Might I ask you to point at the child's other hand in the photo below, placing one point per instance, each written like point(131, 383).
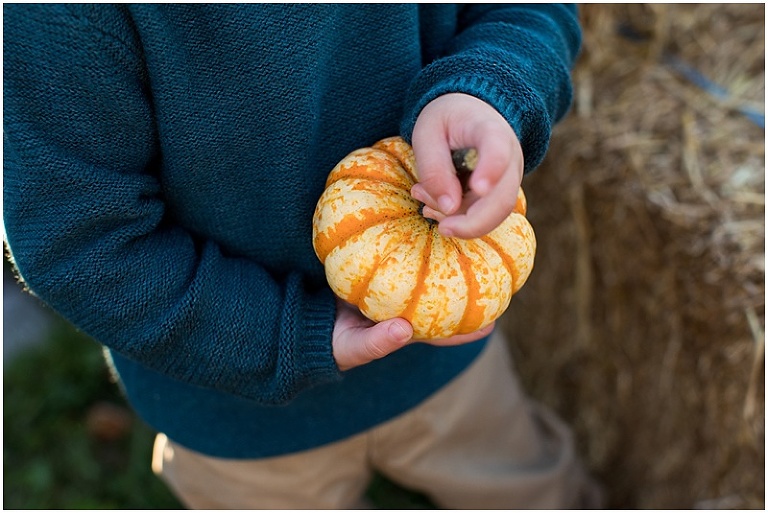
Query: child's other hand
point(455, 121)
point(358, 340)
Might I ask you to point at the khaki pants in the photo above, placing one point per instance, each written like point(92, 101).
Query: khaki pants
point(479, 443)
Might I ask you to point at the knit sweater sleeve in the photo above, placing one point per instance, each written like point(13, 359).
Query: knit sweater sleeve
point(89, 231)
point(515, 57)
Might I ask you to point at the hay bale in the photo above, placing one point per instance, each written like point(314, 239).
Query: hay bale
point(642, 323)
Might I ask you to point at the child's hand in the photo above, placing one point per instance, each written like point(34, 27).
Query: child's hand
point(450, 122)
point(456, 121)
point(358, 340)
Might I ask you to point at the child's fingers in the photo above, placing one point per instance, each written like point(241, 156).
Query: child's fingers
point(357, 340)
point(359, 346)
point(497, 154)
point(438, 187)
point(431, 213)
point(493, 185)
point(486, 212)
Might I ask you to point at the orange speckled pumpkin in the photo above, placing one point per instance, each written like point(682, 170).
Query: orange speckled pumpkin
point(383, 256)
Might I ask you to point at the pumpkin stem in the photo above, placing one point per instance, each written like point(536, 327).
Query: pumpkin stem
point(465, 161)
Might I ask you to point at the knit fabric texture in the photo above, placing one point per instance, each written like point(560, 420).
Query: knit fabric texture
point(162, 163)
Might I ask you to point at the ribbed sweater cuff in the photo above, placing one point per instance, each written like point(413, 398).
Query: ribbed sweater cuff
point(316, 358)
point(499, 86)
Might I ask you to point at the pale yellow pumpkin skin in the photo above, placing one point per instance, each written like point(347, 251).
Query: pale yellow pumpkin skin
point(383, 256)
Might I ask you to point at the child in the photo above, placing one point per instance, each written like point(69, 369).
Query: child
point(162, 165)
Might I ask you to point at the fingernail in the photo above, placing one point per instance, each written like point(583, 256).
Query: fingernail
point(445, 203)
point(397, 332)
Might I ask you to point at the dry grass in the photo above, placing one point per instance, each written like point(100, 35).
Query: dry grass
point(642, 323)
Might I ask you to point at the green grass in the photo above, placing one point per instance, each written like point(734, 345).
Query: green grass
point(51, 460)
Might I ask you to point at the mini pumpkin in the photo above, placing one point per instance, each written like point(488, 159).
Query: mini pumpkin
point(382, 255)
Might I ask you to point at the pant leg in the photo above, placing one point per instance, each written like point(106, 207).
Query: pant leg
point(331, 477)
point(480, 443)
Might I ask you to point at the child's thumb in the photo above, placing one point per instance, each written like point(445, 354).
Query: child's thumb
point(385, 338)
point(363, 345)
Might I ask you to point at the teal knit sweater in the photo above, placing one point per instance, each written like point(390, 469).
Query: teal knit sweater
point(161, 168)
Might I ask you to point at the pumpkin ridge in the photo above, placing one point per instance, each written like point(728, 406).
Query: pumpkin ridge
point(473, 316)
point(371, 186)
point(377, 179)
point(394, 246)
point(419, 287)
point(350, 225)
point(521, 204)
point(362, 171)
point(507, 260)
point(334, 238)
point(360, 290)
point(402, 152)
point(409, 171)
